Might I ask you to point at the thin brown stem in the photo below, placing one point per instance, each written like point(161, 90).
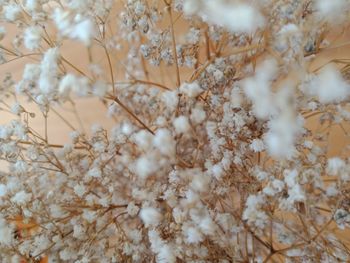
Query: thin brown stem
point(48, 145)
point(124, 107)
point(178, 79)
point(110, 68)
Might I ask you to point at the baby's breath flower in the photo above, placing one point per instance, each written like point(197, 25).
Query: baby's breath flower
point(32, 37)
point(219, 142)
point(150, 216)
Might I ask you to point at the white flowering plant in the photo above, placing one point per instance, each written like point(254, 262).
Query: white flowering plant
point(212, 157)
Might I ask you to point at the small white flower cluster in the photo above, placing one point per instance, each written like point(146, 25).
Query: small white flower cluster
point(238, 17)
point(211, 157)
point(80, 27)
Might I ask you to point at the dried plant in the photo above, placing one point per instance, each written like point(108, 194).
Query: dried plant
point(212, 157)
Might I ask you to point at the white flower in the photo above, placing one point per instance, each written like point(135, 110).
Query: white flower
point(143, 139)
point(49, 69)
point(257, 89)
point(6, 232)
point(81, 5)
point(296, 194)
point(100, 88)
point(253, 212)
point(193, 35)
point(19, 130)
point(342, 218)
point(192, 7)
point(127, 129)
point(5, 132)
point(236, 17)
point(217, 171)
point(79, 190)
point(56, 211)
point(181, 124)
point(145, 166)
point(278, 185)
point(31, 72)
point(70, 83)
point(178, 215)
point(295, 191)
point(331, 9)
point(236, 98)
point(170, 99)
point(67, 254)
point(164, 252)
point(89, 215)
point(78, 231)
point(135, 235)
point(11, 12)
point(257, 145)
point(290, 177)
point(32, 37)
point(218, 75)
point(66, 85)
point(191, 90)
point(132, 209)
point(192, 235)
point(164, 142)
point(150, 216)
point(329, 86)
point(21, 198)
point(95, 172)
point(335, 165)
point(225, 220)
point(74, 136)
point(207, 225)
point(283, 130)
point(191, 197)
point(32, 5)
point(200, 182)
point(275, 187)
point(198, 115)
point(21, 167)
point(17, 109)
point(289, 37)
point(259, 174)
point(139, 8)
point(83, 30)
point(308, 144)
point(61, 19)
point(332, 190)
point(3, 190)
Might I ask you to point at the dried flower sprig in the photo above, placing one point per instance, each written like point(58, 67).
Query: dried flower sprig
point(212, 157)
